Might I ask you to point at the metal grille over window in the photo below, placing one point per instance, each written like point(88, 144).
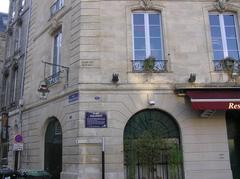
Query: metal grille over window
point(148, 41)
point(152, 146)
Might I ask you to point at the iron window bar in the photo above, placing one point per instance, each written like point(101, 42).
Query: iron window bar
point(160, 66)
point(218, 66)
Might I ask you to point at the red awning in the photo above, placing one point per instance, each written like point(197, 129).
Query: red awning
point(215, 99)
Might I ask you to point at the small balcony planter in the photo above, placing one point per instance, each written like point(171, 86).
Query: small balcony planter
point(230, 66)
point(149, 64)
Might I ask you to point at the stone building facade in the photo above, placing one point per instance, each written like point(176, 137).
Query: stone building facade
point(89, 55)
point(12, 73)
point(3, 25)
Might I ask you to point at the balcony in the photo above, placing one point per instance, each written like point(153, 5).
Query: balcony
point(160, 66)
point(54, 79)
point(218, 65)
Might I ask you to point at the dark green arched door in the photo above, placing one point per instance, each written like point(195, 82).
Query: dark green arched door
point(53, 149)
point(152, 147)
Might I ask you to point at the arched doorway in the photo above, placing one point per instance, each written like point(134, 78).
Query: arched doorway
point(233, 131)
point(53, 148)
point(152, 146)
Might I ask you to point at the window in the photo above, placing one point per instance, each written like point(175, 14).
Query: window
point(147, 40)
point(21, 5)
point(224, 35)
point(57, 52)
point(17, 39)
point(56, 7)
point(14, 84)
point(56, 67)
point(5, 87)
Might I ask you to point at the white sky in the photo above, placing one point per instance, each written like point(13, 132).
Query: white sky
point(4, 6)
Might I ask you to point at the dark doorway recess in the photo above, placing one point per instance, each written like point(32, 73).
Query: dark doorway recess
point(53, 149)
point(233, 131)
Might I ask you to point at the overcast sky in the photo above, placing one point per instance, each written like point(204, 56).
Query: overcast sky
point(4, 6)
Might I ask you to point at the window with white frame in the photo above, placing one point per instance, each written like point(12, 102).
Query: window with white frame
point(147, 40)
point(56, 7)
point(57, 52)
point(225, 35)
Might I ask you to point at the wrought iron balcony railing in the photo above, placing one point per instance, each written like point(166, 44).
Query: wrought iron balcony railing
point(53, 79)
point(160, 66)
point(219, 67)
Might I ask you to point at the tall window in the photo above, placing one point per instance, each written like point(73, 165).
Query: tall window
point(57, 52)
point(5, 89)
point(17, 39)
point(21, 5)
point(224, 35)
point(14, 84)
point(56, 7)
point(147, 39)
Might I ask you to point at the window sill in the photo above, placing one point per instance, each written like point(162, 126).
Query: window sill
point(154, 72)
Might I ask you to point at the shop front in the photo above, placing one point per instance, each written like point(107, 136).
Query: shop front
point(211, 100)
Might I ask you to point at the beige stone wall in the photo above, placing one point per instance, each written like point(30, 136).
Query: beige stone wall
point(97, 42)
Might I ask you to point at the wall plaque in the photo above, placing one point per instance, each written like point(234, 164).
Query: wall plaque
point(95, 120)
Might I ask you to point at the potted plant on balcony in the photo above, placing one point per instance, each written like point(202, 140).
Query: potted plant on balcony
point(149, 64)
point(228, 65)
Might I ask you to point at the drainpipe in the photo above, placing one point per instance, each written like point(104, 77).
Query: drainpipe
point(20, 105)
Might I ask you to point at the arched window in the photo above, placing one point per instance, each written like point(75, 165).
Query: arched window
point(152, 146)
point(53, 149)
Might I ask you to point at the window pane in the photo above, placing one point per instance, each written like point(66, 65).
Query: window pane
point(230, 32)
point(234, 54)
point(155, 43)
point(215, 31)
point(157, 54)
point(139, 31)
point(232, 44)
point(138, 19)
point(140, 54)
point(139, 43)
point(217, 44)
point(154, 19)
point(214, 19)
point(155, 31)
point(218, 55)
point(229, 20)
